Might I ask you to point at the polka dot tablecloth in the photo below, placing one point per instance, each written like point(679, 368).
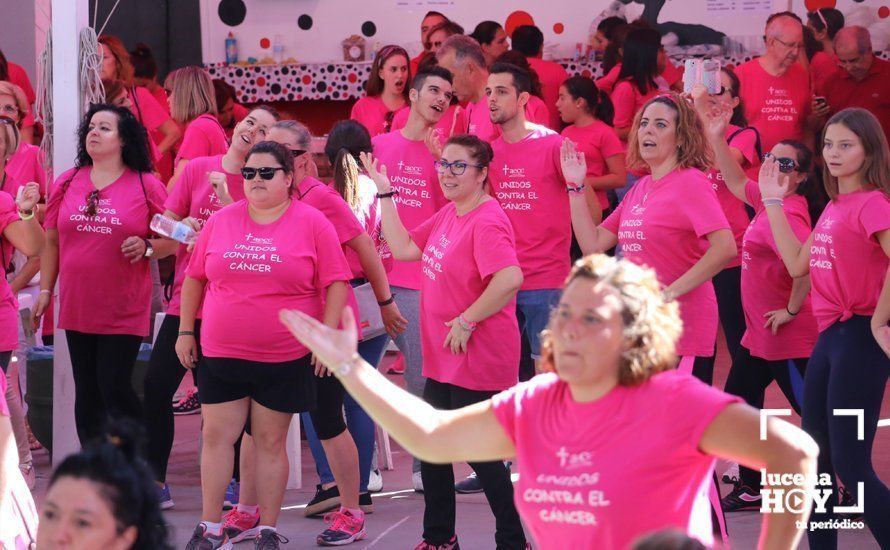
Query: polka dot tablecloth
point(342, 81)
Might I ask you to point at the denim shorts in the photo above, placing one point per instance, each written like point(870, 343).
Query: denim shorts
point(536, 306)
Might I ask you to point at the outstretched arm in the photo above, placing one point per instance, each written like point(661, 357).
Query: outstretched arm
point(429, 434)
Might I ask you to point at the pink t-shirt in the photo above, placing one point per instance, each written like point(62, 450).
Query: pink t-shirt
point(536, 111)
point(598, 141)
point(323, 198)
point(368, 216)
point(9, 306)
point(444, 129)
point(193, 196)
point(822, 67)
point(670, 75)
point(526, 179)
point(460, 256)
point(847, 264)
point(24, 167)
point(476, 120)
point(411, 169)
point(254, 270)
point(371, 112)
point(147, 109)
point(604, 473)
point(663, 225)
point(100, 291)
point(777, 106)
point(552, 75)
point(766, 284)
point(733, 208)
point(628, 99)
point(19, 77)
point(203, 137)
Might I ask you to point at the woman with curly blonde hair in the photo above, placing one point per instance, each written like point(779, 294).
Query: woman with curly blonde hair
point(670, 220)
point(611, 444)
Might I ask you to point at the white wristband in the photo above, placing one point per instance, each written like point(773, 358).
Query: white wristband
point(344, 368)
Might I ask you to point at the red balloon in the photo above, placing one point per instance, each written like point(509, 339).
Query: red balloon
point(265, 43)
point(517, 19)
point(558, 28)
point(813, 5)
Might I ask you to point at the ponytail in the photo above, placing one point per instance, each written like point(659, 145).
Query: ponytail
point(346, 173)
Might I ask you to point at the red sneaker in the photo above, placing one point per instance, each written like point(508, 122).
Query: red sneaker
point(344, 529)
point(240, 525)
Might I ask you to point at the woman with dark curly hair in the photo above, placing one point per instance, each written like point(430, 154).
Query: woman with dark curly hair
point(103, 497)
point(97, 246)
point(612, 443)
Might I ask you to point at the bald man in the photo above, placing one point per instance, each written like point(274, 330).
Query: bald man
point(775, 88)
point(863, 82)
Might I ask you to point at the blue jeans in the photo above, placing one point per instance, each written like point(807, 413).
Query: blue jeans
point(357, 420)
point(536, 306)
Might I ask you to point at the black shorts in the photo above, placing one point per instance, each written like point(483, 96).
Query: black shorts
point(287, 387)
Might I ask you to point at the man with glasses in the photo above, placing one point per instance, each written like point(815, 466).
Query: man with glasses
point(406, 155)
point(775, 88)
point(862, 82)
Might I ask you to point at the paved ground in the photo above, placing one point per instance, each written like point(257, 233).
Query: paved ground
point(396, 523)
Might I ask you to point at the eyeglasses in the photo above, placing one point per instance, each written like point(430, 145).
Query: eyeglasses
point(296, 152)
point(457, 167)
point(9, 109)
point(266, 172)
point(92, 203)
point(792, 46)
point(786, 164)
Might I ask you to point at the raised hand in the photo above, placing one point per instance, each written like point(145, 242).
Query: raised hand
point(220, 187)
point(378, 175)
point(433, 144)
point(330, 346)
point(773, 184)
point(28, 197)
point(574, 166)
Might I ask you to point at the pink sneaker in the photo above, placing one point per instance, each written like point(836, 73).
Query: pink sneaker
point(240, 525)
point(344, 529)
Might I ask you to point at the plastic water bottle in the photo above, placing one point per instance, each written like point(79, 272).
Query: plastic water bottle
point(173, 229)
point(231, 49)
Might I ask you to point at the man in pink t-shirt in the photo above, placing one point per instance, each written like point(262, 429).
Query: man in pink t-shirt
point(410, 166)
point(527, 181)
point(775, 89)
point(529, 40)
point(464, 58)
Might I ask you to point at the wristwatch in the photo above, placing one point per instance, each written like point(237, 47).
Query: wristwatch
point(149, 250)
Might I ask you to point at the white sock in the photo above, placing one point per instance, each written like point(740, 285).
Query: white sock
point(247, 509)
point(261, 527)
point(212, 528)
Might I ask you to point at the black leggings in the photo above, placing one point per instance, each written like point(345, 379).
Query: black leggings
point(164, 375)
point(438, 480)
point(327, 416)
point(750, 376)
point(848, 370)
point(728, 288)
point(102, 365)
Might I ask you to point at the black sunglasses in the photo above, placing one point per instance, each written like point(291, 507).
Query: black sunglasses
point(786, 164)
point(266, 172)
point(92, 203)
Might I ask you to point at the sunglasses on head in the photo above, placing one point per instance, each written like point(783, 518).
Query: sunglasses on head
point(92, 203)
point(296, 152)
point(387, 121)
point(266, 172)
point(786, 164)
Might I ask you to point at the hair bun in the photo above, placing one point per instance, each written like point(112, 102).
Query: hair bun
point(142, 50)
point(127, 436)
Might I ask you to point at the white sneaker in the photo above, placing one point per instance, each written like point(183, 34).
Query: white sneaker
point(417, 481)
point(731, 474)
point(375, 482)
point(29, 474)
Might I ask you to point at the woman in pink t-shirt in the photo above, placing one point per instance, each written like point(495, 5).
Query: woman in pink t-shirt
point(97, 247)
point(19, 241)
point(636, 81)
point(154, 116)
point(193, 105)
point(847, 257)
point(609, 446)
point(207, 185)
point(469, 333)
point(781, 329)
point(251, 258)
point(588, 113)
point(386, 91)
point(351, 451)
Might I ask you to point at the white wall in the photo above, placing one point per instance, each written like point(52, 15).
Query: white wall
point(334, 20)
